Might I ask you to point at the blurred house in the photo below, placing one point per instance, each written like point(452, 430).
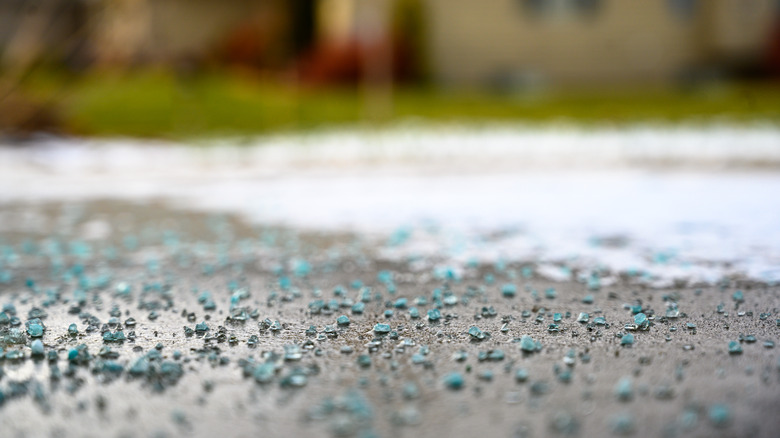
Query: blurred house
point(472, 43)
point(514, 43)
point(133, 32)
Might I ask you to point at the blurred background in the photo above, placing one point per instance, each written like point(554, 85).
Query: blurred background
point(179, 69)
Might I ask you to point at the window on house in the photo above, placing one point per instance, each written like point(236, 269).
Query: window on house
point(585, 7)
point(683, 9)
point(561, 8)
point(536, 7)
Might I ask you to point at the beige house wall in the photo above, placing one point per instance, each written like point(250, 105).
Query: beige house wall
point(162, 30)
point(739, 28)
point(476, 41)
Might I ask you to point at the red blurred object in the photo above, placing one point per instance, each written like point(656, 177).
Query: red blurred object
point(346, 63)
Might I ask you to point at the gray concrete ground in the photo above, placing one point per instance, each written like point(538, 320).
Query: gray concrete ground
point(683, 381)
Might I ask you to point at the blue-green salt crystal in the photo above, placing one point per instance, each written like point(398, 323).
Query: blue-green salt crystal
point(564, 423)
point(738, 296)
point(690, 326)
point(486, 375)
point(364, 361)
point(4, 318)
point(201, 327)
point(496, 355)
point(509, 290)
point(358, 308)
point(410, 391)
point(451, 300)
point(627, 339)
point(720, 415)
point(275, 326)
point(434, 315)
point(476, 333)
point(688, 419)
point(460, 356)
point(35, 330)
point(583, 317)
point(550, 293)
point(636, 308)
point(623, 424)
point(735, 348)
point(384, 276)
point(414, 313)
point(388, 313)
point(111, 367)
point(527, 344)
point(140, 367)
point(540, 387)
point(264, 372)
point(342, 320)
point(557, 317)
point(553, 328)
point(488, 312)
point(594, 282)
point(600, 320)
point(295, 380)
point(315, 307)
point(292, 352)
point(453, 381)
point(588, 299)
point(641, 321)
point(36, 313)
point(14, 355)
point(521, 375)
point(400, 303)
point(624, 389)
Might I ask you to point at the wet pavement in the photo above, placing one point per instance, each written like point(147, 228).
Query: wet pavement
point(218, 326)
